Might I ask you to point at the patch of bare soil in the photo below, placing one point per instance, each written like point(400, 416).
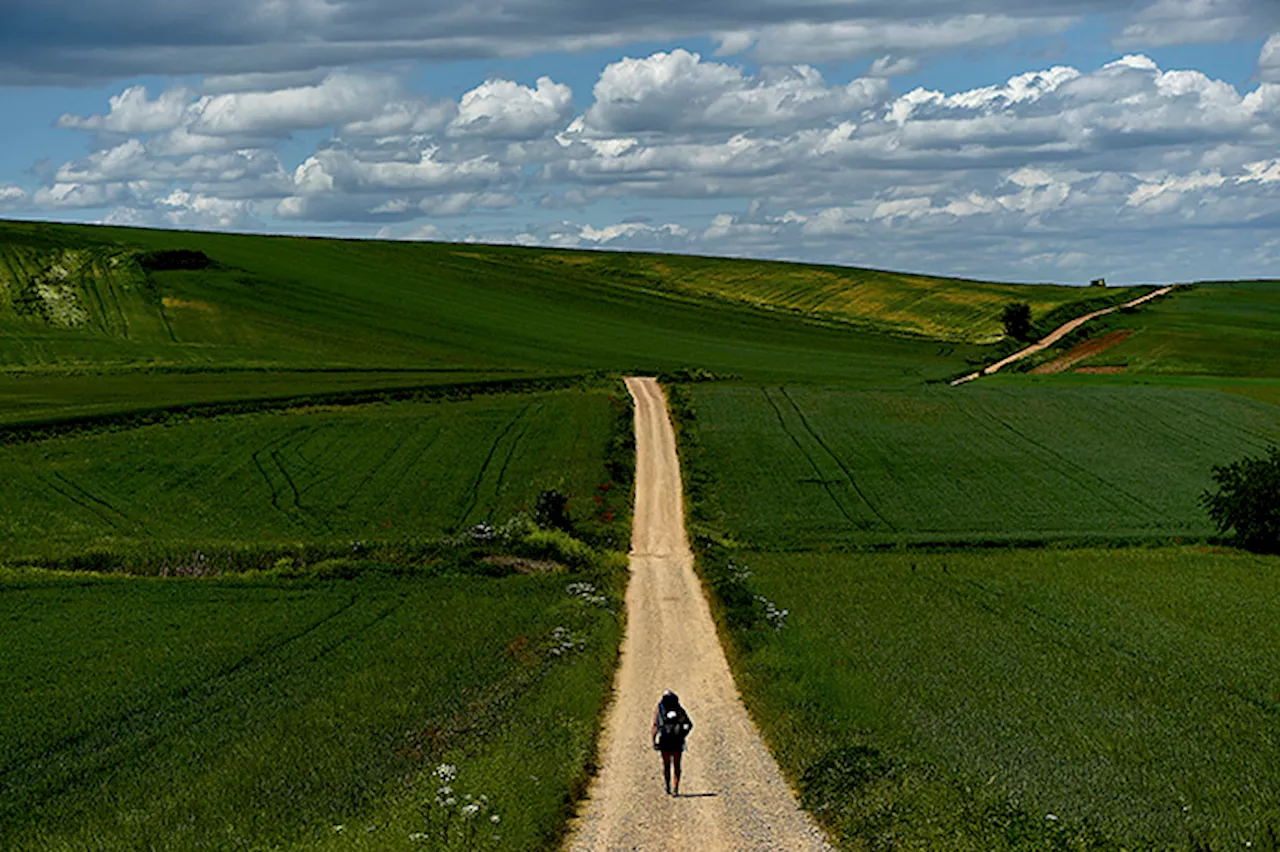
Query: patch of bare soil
point(1101, 371)
point(174, 302)
point(1083, 352)
point(524, 566)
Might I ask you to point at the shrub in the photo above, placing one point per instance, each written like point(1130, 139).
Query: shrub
point(1248, 501)
point(1017, 321)
point(156, 261)
point(551, 512)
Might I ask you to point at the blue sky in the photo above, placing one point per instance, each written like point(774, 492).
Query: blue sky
point(1032, 141)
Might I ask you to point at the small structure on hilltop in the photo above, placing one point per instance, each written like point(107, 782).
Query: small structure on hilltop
point(1098, 282)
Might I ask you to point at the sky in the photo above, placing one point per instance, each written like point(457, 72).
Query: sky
point(1018, 140)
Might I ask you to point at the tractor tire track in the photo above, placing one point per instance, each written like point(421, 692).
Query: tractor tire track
point(853, 482)
point(511, 453)
point(63, 489)
point(484, 469)
point(822, 480)
point(89, 495)
point(1067, 465)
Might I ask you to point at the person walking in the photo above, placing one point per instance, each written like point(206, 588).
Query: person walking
point(671, 725)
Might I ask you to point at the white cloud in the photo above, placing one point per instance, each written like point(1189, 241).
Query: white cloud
point(1269, 60)
point(501, 109)
point(12, 197)
point(340, 98)
point(678, 91)
point(893, 66)
point(180, 209)
point(132, 111)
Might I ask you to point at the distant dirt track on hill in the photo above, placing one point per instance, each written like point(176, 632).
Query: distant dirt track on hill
point(1059, 333)
point(733, 796)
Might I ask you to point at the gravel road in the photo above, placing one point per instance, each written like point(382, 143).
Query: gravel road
point(733, 796)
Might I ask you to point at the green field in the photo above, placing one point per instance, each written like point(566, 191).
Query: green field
point(1215, 329)
point(814, 467)
point(292, 303)
point(265, 713)
point(315, 428)
point(315, 474)
point(927, 306)
point(956, 700)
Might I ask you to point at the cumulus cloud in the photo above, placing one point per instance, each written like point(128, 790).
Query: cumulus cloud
point(132, 111)
point(12, 197)
point(181, 209)
point(678, 91)
point(501, 109)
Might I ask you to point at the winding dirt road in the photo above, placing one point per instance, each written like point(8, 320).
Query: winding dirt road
point(1059, 333)
point(732, 795)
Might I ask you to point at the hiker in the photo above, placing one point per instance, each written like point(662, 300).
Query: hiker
point(671, 724)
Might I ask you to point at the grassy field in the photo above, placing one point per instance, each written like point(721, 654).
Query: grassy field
point(315, 474)
point(78, 299)
point(336, 417)
point(1035, 699)
point(937, 308)
point(805, 467)
point(265, 713)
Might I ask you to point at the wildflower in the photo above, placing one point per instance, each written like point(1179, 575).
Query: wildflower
point(1051, 817)
point(418, 837)
point(468, 811)
point(495, 819)
point(446, 772)
point(338, 829)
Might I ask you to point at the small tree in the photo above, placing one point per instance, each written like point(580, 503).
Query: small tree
point(551, 512)
point(1017, 320)
point(1248, 501)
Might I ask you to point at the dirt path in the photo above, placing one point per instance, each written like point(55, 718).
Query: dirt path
point(1057, 334)
point(732, 796)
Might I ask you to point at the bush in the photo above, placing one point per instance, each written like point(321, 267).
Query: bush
point(1017, 321)
point(1248, 501)
point(165, 259)
point(551, 512)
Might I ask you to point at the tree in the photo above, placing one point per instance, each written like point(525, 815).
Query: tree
point(551, 512)
point(1248, 501)
point(1017, 321)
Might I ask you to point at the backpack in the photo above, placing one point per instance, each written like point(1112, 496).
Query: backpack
point(674, 724)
